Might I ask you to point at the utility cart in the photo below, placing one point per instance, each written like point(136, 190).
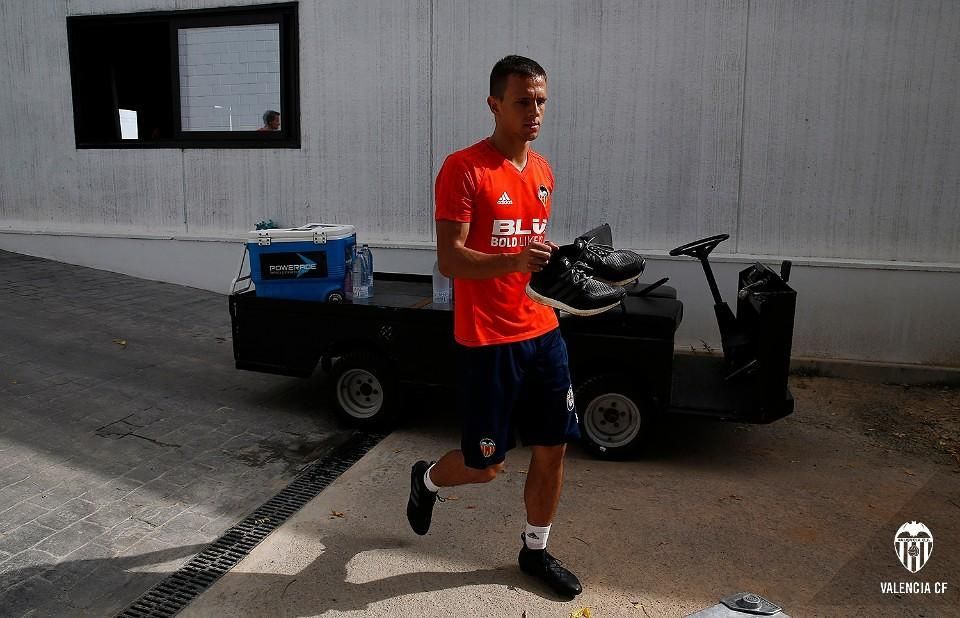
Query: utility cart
point(623, 363)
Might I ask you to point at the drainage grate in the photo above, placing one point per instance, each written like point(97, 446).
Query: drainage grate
point(180, 588)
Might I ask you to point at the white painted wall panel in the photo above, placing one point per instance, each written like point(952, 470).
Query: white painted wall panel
point(133, 190)
point(365, 115)
point(643, 117)
point(36, 136)
point(852, 130)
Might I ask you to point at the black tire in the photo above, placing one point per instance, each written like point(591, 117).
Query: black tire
point(614, 417)
point(363, 392)
point(335, 297)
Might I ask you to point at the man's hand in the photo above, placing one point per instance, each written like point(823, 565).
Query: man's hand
point(534, 256)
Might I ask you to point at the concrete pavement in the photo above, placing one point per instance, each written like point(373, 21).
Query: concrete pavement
point(803, 512)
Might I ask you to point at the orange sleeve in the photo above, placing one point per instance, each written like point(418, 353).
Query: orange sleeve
point(454, 191)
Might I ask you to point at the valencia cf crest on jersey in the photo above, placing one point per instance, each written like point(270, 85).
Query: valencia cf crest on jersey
point(543, 194)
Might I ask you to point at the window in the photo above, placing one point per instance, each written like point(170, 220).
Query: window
point(187, 79)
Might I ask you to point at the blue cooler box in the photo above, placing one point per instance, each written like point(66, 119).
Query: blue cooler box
point(302, 263)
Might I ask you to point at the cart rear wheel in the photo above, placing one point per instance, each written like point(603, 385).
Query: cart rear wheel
point(335, 297)
point(362, 391)
point(613, 418)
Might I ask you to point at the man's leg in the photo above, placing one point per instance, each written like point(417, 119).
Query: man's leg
point(426, 480)
point(549, 421)
point(451, 471)
point(541, 493)
point(489, 384)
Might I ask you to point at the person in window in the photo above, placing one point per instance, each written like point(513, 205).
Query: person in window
point(271, 121)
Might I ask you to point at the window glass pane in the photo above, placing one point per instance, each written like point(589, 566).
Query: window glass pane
point(229, 77)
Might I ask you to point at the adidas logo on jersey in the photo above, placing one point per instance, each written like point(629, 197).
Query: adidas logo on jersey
point(504, 200)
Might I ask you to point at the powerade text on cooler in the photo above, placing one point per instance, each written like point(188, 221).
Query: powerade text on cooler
point(302, 263)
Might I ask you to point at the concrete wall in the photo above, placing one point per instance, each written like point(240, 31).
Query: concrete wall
point(824, 131)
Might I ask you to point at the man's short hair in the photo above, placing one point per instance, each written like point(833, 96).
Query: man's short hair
point(269, 116)
point(512, 65)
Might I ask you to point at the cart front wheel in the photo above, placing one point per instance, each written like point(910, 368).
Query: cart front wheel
point(613, 418)
point(362, 391)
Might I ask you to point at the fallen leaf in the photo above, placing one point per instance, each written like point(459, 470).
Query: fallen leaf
point(521, 471)
point(121, 342)
point(471, 506)
point(451, 497)
point(583, 612)
point(335, 514)
point(397, 450)
point(910, 472)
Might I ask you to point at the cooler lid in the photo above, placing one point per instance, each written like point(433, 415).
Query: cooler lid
point(318, 233)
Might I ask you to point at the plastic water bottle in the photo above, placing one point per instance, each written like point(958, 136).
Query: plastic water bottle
point(367, 283)
point(356, 274)
point(362, 273)
point(442, 290)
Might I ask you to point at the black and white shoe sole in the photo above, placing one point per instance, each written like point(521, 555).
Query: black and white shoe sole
point(556, 304)
point(618, 283)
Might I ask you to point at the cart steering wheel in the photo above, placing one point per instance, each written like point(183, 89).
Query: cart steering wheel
point(699, 249)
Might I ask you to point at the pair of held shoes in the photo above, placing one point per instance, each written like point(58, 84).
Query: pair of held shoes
point(585, 278)
point(535, 562)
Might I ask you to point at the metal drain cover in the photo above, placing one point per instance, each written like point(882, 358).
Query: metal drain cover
point(180, 588)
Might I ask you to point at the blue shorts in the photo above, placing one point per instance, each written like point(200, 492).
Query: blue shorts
point(522, 387)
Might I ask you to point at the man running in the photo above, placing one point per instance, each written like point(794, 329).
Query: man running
point(492, 206)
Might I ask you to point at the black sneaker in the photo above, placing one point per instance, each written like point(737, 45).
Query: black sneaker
point(549, 570)
point(613, 266)
point(569, 286)
point(421, 501)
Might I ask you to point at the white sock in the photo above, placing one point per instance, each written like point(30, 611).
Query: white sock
point(428, 482)
point(535, 537)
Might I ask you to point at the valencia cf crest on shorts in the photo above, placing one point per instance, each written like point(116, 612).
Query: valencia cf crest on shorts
point(543, 194)
point(487, 448)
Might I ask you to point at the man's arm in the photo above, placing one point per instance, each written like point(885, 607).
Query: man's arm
point(457, 261)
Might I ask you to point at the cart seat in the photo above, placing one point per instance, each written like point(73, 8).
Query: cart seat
point(644, 317)
point(663, 291)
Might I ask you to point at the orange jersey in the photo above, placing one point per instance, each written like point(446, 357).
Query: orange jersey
point(506, 210)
